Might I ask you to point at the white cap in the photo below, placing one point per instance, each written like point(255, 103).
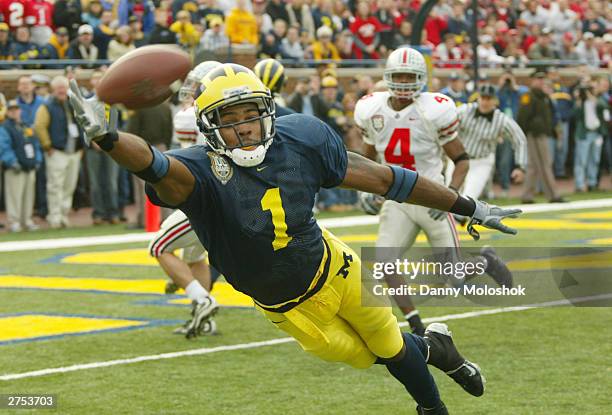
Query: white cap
point(85, 29)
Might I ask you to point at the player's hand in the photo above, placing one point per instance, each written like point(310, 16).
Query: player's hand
point(517, 176)
point(91, 114)
point(436, 214)
point(370, 203)
point(491, 217)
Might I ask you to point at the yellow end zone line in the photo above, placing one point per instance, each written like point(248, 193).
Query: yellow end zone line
point(253, 345)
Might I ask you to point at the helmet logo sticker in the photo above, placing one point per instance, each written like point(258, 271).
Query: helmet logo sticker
point(221, 168)
point(378, 122)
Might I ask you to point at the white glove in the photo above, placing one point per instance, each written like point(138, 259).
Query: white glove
point(491, 217)
point(370, 203)
point(91, 114)
point(436, 214)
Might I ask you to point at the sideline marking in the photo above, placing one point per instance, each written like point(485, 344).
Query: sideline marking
point(344, 222)
point(253, 345)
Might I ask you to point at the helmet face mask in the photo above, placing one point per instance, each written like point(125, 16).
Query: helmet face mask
point(405, 61)
point(229, 86)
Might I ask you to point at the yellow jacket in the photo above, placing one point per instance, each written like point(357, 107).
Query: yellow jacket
point(241, 27)
point(187, 33)
point(320, 52)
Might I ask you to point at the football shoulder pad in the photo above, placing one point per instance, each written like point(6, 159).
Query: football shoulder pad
point(441, 112)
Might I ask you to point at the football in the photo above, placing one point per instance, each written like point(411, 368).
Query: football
point(144, 77)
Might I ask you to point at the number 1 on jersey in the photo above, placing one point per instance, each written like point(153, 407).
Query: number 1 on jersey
point(272, 202)
point(400, 136)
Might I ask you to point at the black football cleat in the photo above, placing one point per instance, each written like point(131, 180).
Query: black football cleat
point(200, 314)
point(496, 268)
point(444, 355)
point(440, 410)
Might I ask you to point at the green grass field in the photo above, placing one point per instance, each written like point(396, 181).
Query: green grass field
point(538, 361)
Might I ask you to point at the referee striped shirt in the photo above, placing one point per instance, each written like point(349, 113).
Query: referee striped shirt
point(481, 134)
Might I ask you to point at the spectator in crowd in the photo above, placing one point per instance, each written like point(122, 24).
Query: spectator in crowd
point(28, 101)
point(448, 51)
point(264, 21)
point(456, 88)
point(3, 110)
point(402, 36)
point(591, 116)
point(366, 29)
point(22, 48)
point(208, 11)
point(592, 23)
point(277, 10)
point(154, 124)
point(21, 155)
point(214, 38)
point(187, 35)
point(567, 50)
point(535, 117)
point(587, 52)
point(323, 48)
point(40, 21)
point(241, 26)
point(136, 33)
point(291, 48)
point(457, 22)
point(121, 44)
point(535, 14)
point(305, 98)
point(563, 20)
point(93, 14)
point(62, 140)
point(161, 32)
point(269, 47)
point(542, 49)
point(300, 15)
point(104, 33)
point(487, 53)
point(142, 10)
point(5, 43)
point(344, 45)
point(67, 13)
point(334, 115)
point(57, 48)
point(41, 85)
point(82, 47)
point(563, 102)
point(103, 174)
point(387, 14)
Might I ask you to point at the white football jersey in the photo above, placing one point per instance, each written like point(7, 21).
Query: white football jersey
point(185, 128)
point(413, 137)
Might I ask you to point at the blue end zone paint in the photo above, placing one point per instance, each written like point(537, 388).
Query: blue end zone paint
point(150, 323)
point(165, 302)
point(56, 259)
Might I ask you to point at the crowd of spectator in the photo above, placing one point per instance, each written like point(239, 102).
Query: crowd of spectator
point(510, 31)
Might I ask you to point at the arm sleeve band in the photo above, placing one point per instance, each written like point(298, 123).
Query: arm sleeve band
point(463, 206)
point(158, 168)
point(460, 157)
point(403, 183)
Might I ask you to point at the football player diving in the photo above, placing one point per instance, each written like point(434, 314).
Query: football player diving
point(249, 194)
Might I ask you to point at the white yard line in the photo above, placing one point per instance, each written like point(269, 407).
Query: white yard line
point(254, 345)
point(344, 222)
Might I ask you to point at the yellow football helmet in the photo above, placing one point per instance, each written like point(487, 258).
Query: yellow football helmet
point(227, 85)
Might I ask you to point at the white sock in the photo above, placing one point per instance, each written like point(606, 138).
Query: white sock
point(196, 292)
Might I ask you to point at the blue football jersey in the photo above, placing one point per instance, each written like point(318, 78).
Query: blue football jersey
point(257, 222)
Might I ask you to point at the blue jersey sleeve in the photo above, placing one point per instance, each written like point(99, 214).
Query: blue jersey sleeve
point(193, 160)
point(327, 149)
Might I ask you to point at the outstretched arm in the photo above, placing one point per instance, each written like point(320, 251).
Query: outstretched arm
point(404, 185)
point(170, 178)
